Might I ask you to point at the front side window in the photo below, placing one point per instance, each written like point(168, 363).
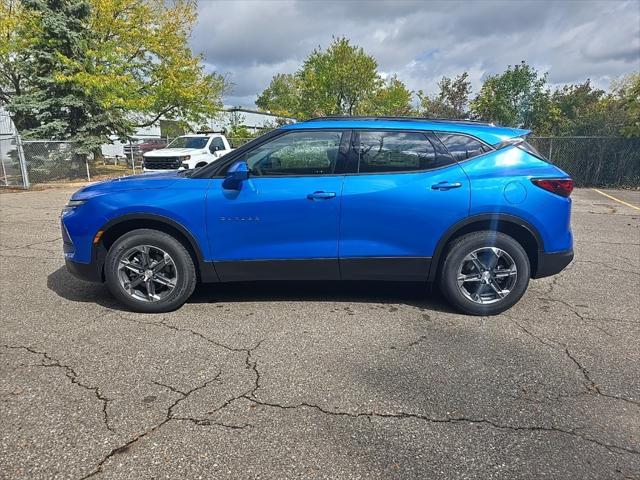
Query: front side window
point(462, 147)
point(189, 142)
point(296, 153)
point(389, 151)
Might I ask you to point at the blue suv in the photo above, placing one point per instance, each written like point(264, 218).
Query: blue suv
point(468, 205)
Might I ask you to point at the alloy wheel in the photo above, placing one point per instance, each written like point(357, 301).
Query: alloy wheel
point(487, 275)
point(147, 273)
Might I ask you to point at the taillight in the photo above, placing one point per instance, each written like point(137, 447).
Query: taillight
point(559, 186)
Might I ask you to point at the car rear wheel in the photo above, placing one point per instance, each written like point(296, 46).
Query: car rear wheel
point(484, 273)
point(150, 271)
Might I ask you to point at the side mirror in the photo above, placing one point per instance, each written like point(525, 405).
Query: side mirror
point(237, 173)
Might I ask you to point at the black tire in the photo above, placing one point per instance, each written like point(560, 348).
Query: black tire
point(201, 164)
point(465, 245)
point(186, 278)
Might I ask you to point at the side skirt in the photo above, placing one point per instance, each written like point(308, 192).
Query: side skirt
point(401, 269)
point(251, 270)
point(397, 269)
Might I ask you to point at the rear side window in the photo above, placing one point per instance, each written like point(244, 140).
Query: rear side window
point(462, 147)
point(389, 151)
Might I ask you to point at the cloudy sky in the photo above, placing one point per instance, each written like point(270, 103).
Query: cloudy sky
point(421, 41)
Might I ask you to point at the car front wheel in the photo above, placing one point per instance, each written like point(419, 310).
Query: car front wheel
point(150, 271)
point(484, 273)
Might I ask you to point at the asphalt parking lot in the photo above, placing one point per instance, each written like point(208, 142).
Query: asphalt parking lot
point(320, 380)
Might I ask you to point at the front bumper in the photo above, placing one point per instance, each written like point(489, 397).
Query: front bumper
point(149, 170)
point(552, 263)
point(89, 272)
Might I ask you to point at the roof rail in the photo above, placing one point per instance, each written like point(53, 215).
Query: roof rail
point(207, 131)
point(400, 119)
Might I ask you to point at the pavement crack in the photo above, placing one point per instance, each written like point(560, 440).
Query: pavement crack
point(250, 364)
point(207, 423)
point(573, 310)
point(610, 267)
point(476, 421)
point(169, 387)
point(73, 376)
point(417, 341)
point(31, 245)
point(590, 386)
point(124, 448)
point(169, 326)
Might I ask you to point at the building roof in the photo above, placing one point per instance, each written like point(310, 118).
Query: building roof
point(486, 132)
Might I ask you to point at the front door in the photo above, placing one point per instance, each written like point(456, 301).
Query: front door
point(283, 222)
point(405, 192)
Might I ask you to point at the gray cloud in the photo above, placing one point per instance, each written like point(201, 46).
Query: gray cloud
point(421, 41)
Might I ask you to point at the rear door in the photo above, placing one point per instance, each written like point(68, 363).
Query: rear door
point(404, 193)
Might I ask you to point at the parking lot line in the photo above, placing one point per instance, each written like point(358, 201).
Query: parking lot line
point(615, 199)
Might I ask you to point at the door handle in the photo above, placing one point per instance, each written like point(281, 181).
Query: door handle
point(321, 195)
point(445, 186)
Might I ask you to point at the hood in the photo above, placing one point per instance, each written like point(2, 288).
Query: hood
point(172, 152)
point(134, 182)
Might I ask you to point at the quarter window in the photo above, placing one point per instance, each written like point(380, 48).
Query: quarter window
point(388, 151)
point(462, 147)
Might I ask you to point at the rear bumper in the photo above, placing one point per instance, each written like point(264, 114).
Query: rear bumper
point(552, 263)
point(89, 272)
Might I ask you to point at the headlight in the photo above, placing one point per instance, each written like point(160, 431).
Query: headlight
point(71, 206)
point(185, 158)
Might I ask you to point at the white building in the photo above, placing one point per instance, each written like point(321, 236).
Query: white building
point(252, 120)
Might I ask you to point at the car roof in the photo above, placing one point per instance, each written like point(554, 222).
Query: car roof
point(487, 132)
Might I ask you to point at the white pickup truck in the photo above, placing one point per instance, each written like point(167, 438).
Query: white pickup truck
point(187, 152)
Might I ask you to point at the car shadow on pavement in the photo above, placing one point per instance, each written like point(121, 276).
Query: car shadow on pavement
point(415, 294)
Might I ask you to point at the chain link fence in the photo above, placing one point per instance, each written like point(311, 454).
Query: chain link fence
point(591, 161)
point(238, 142)
point(13, 173)
point(54, 162)
point(594, 161)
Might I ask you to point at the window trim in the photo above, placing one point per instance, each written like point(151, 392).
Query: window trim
point(218, 169)
point(491, 147)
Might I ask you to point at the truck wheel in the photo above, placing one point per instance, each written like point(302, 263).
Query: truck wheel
point(201, 164)
point(484, 273)
point(150, 271)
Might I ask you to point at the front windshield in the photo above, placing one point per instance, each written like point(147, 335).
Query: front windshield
point(189, 142)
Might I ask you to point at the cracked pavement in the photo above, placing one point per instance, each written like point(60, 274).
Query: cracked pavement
point(320, 379)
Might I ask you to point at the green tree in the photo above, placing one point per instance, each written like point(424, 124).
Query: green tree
point(451, 101)
point(518, 97)
point(42, 106)
point(90, 68)
point(392, 98)
point(577, 110)
point(18, 32)
point(282, 96)
point(335, 81)
point(340, 80)
point(627, 92)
